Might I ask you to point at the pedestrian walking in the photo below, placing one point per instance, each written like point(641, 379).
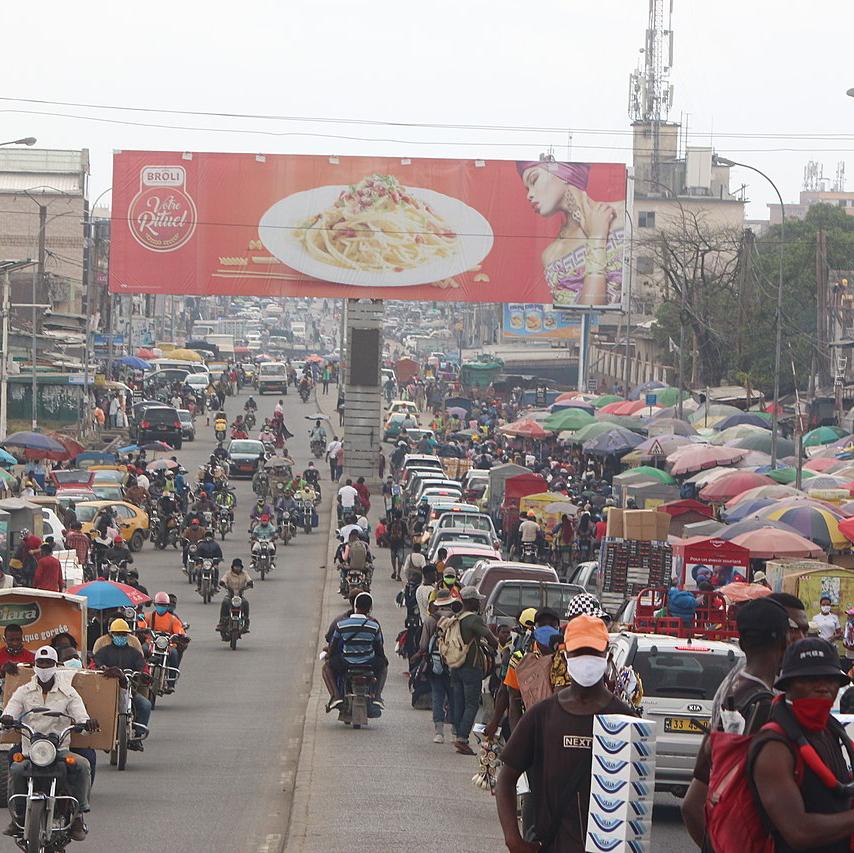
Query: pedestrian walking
point(325, 377)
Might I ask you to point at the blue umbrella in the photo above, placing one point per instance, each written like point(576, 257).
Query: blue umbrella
point(27, 440)
point(745, 508)
point(135, 363)
point(6, 458)
point(128, 448)
point(103, 595)
point(616, 441)
point(745, 418)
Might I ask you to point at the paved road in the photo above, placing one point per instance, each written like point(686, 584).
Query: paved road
point(218, 769)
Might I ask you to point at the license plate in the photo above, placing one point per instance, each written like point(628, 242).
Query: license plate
point(686, 725)
point(246, 466)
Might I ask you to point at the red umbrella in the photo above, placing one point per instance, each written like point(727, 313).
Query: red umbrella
point(145, 353)
point(525, 428)
point(698, 457)
point(70, 449)
point(846, 528)
point(769, 543)
point(821, 464)
point(775, 492)
point(611, 408)
point(317, 359)
point(730, 485)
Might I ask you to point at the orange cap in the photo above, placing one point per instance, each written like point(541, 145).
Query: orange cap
point(586, 632)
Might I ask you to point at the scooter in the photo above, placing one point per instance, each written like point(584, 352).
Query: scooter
point(47, 814)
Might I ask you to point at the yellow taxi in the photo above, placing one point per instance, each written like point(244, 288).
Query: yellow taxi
point(131, 520)
point(402, 406)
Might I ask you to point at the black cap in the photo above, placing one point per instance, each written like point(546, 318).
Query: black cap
point(546, 613)
point(810, 658)
point(237, 562)
point(761, 622)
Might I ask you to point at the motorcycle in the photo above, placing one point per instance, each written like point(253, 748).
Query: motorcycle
point(318, 448)
point(115, 572)
point(261, 484)
point(233, 628)
point(223, 522)
point(193, 562)
point(208, 577)
point(263, 557)
point(354, 579)
point(304, 392)
point(219, 434)
point(287, 529)
point(529, 552)
point(160, 670)
point(127, 730)
point(169, 536)
point(48, 815)
point(249, 420)
point(305, 515)
point(358, 693)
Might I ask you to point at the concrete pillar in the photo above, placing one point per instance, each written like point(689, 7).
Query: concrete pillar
point(363, 389)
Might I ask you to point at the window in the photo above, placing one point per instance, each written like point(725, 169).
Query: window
point(646, 219)
point(645, 266)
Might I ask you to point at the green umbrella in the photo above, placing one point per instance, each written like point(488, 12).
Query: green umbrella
point(571, 419)
point(823, 435)
point(628, 421)
point(590, 431)
point(668, 396)
point(607, 399)
point(761, 440)
point(653, 474)
point(787, 476)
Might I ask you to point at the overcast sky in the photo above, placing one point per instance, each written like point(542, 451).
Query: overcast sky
point(764, 82)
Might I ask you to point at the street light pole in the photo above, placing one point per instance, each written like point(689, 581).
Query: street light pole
point(27, 140)
point(778, 347)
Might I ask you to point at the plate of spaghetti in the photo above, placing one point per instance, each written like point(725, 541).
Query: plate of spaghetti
point(376, 233)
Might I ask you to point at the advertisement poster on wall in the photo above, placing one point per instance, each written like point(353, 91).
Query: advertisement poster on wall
point(542, 322)
point(368, 227)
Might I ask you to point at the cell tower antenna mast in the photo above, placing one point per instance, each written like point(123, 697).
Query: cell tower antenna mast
point(650, 90)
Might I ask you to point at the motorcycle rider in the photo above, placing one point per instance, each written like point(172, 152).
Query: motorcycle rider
point(311, 476)
point(118, 655)
point(118, 553)
point(208, 550)
point(220, 454)
point(236, 582)
point(263, 531)
point(192, 534)
point(163, 621)
point(224, 501)
point(45, 691)
point(356, 641)
point(250, 405)
point(317, 434)
point(261, 482)
point(260, 509)
point(201, 505)
point(167, 506)
point(529, 533)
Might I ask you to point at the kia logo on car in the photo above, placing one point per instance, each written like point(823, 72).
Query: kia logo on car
point(695, 708)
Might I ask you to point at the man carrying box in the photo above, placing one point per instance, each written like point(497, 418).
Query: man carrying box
point(553, 744)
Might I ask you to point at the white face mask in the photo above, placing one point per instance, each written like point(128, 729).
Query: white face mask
point(825, 608)
point(586, 670)
point(45, 673)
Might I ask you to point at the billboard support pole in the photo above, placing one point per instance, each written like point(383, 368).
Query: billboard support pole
point(584, 350)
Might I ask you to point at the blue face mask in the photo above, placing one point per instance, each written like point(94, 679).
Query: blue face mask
point(161, 609)
point(74, 663)
point(120, 640)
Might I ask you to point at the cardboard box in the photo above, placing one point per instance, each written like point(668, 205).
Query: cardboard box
point(624, 750)
point(624, 726)
point(598, 842)
point(624, 771)
point(613, 786)
point(99, 694)
point(620, 807)
point(645, 525)
point(615, 827)
point(615, 523)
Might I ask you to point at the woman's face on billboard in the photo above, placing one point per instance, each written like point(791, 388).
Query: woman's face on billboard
point(545, 190)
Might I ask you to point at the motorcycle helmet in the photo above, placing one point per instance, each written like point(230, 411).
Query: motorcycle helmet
point(362, 522)
point(118, 541)
point(119, 626)
point(265, 518)
point(161, 598)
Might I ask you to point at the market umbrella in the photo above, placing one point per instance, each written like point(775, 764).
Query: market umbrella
point(145, 353)
point(743, 419)
point(744, 509)
point(732, 434)
point(786, 476)
point(6, 458)
point(823, 464)
point(669, 396)
point(572, 419)
point(670, 426)
point(128, 448)
point(822, 435)
point(37, 445)
point(738, 591)
point(755, 460)
point(316, 359)
point(846, 528)
point(761, 440)
point(692, 458)
point(459, 411)
point(772, 492)
point(713, 410)
point(72, 447)
point(615, 442)
point(818, 524)
point(632, 423)
point(106, 595)
point(656, 474)
point(524, 428)
point(157, 447)
point(666, 444)
point(768, 543)
point(559, 405)
point(607, 399)
point(278, 462)
point(824, 481)
point(135, 362)
point(701, 478)
point(586, 433)
point(161, 465)
point(561, 507)
point(731, 485)
point(637, 393)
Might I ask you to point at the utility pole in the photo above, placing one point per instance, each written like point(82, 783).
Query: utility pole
point(821, 306)
point(38, 281)
point(4, 366)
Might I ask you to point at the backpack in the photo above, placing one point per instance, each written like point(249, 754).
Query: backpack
point(533, 675)
point(358, 554)
point(451, 646)
point(395, 531)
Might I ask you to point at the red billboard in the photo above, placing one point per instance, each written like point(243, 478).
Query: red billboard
point(367, 227)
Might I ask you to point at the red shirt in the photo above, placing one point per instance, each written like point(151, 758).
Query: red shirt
point(600, 529)
point(80, 543)
point(49, 574)
point(23, 656)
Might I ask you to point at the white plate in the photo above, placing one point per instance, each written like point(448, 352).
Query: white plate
point(278, 227)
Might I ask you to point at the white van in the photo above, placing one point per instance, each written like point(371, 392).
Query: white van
point(272, 376)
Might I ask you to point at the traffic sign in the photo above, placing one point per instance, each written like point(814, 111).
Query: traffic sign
point(656, 449)
point(651, 399)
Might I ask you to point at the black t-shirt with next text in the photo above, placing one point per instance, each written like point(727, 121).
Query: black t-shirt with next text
point(555, 748)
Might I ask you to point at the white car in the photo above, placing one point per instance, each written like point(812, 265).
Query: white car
point(680, 678)
point(52, 526)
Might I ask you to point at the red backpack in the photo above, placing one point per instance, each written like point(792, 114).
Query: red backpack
point(733, 822)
